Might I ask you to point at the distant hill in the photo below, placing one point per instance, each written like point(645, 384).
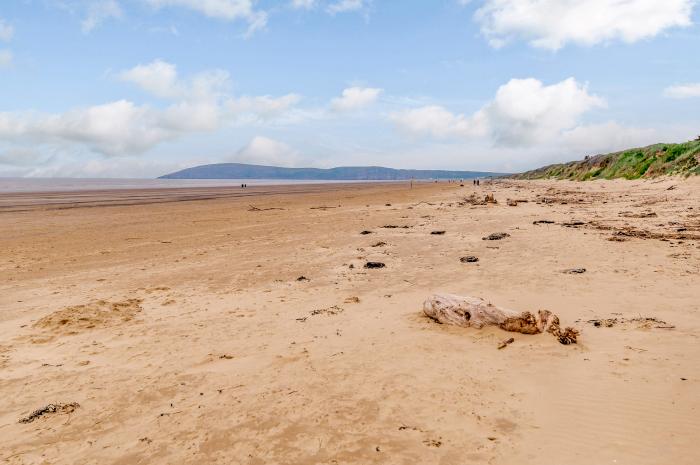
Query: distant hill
point(647, 162)
point(348, 173)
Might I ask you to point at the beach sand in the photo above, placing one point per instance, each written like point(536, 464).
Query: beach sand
point(226, 326)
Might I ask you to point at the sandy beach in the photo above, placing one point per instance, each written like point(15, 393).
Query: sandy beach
point(215, 325)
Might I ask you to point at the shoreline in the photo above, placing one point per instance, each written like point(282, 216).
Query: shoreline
point(24, 201)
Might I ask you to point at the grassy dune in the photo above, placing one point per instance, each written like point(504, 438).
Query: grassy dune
point(655, 160)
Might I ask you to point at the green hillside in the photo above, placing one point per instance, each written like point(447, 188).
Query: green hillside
point(655, 160)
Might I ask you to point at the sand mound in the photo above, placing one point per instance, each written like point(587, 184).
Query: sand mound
point(97, 314)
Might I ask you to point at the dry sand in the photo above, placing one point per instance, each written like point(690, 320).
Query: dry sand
point(177, 322)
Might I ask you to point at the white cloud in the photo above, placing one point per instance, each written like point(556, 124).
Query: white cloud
point(264, 151)
point(158, 78)
point(683, 90)
point(6, 31)
point(303, 4)
point(343, 6)
point(161, 79)
point(5, 58)
point(221, 9)
point(354, 98)
point(121, 128)
point(439, 122)
point(551, 24)
point(524, 112)
point(100, 11)
point(115, 128)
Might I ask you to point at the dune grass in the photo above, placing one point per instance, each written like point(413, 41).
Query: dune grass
point(647, 162)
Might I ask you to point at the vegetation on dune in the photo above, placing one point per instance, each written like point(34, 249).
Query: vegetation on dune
point(655, 160)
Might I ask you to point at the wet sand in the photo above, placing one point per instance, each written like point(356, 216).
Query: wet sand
point(202, 326)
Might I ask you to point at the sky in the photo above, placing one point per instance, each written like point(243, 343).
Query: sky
point(140, 88)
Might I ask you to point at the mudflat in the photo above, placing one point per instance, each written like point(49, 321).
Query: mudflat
point(235, 326)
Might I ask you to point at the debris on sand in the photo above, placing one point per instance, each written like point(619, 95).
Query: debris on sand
point(505, 343)
point(627, 232)
point(253, 208)
point(475, 312)
point(437, 233)
point(365, 232)
point(332, 310)
point(637, 322)
point(568, 336)
point(573, 224)
point(474, 200)
point(469, 259)
point(371, 265)
point(543, 222)
point(352, 300)
point(574, 271)
point(379, 244)
point(511, 203)
point(616, 239)
point(50, 408)
point(646, 214)
point(303, 278)
point(393, 226)
point(495, 236)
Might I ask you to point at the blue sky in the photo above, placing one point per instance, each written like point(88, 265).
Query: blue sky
point(138, 88)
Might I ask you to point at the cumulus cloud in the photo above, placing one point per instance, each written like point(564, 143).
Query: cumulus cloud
point(354, 98)
point(100, 11)
point(161, 79)
point(523, 112)
point(158, 78)
point(6, 31)
point(121, 128)
point(228, 10)
point(115, 128)
point(551, 24)
point(264, 151)
point(439, 122)
point(683, 90)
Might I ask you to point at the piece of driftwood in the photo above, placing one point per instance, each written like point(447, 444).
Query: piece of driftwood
point(475, 312)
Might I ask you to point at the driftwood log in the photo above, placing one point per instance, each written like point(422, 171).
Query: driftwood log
point(475, 312)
